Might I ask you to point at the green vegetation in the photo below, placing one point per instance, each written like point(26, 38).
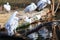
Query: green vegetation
point(23, 26)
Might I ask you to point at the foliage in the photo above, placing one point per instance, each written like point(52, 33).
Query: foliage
point(23, 26)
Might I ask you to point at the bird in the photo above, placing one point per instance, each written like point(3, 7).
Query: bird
point(12, 24)
point(7, 7)
point(30, 8)
point(43, 32)
point(42, 4)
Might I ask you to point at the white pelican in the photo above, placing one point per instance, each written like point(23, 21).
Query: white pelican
point(30, 8)
point(12, 24)
point(7, 7)
point(42, 4)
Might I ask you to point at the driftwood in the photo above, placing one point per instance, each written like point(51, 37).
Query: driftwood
point(42, 25)
point(35, 29)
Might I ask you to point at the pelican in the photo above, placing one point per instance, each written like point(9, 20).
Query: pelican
point(7, 7)
point(42, 4)
point(12, 24)
point(30, 8)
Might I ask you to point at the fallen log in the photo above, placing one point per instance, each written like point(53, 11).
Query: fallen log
point(42, 25)
point(35, 29)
